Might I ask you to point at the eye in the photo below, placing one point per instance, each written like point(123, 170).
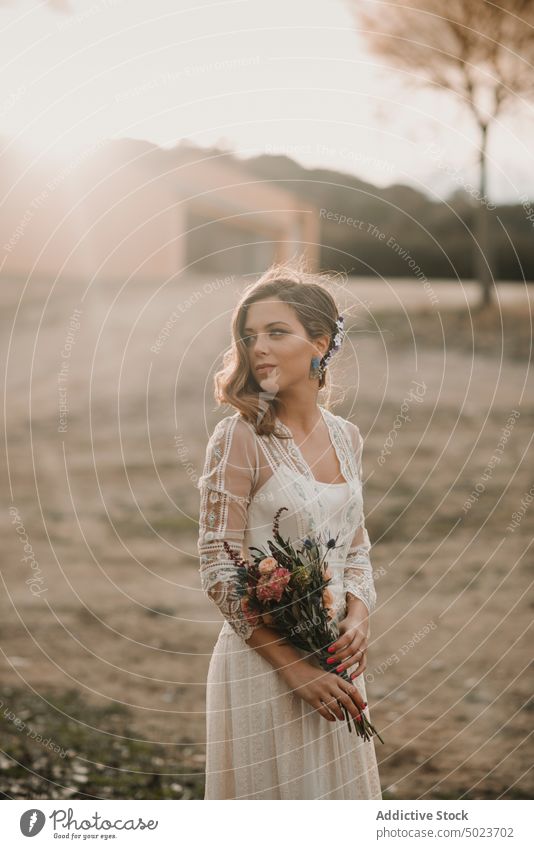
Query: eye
point(250, 338)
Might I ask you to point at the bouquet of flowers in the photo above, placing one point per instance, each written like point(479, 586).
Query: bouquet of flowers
point(287, 588)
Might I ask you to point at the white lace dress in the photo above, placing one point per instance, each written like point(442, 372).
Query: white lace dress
point(263, 741)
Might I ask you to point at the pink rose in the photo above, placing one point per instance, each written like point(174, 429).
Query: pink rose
point(267, 565)
point(264, 590)
point(271, 587)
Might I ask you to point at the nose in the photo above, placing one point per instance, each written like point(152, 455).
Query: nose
point(259, 345)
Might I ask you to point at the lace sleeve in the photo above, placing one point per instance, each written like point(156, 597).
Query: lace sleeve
point(225, 486)
point(358, 575)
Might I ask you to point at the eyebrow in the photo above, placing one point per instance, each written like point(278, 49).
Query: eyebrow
point(270, 324)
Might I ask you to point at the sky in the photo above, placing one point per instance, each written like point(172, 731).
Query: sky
point(283, 76)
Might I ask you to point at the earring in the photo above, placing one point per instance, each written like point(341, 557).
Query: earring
point(315, 368)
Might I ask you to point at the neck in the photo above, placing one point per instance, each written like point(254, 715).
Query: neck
point(300, 414)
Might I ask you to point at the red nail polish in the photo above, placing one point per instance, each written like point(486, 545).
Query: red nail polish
point(332, 648)
point(331, 660)
point(339, 668)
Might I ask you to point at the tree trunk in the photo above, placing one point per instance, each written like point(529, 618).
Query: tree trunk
point(484, 264)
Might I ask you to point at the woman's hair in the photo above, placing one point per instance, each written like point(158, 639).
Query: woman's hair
point(316, 310)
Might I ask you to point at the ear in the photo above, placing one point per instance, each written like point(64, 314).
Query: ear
point(322, 343)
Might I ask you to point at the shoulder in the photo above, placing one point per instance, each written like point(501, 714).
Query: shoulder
point(232, 434)
point(350, 428)
point(233, 424)
point(230, 454)
point(225, 425)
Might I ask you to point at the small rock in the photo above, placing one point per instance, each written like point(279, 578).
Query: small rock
point(477, 696)
point(80, 769)
point(399, 696)
point(19, 661)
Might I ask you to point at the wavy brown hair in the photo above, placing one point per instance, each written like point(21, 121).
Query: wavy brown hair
point(307, 293)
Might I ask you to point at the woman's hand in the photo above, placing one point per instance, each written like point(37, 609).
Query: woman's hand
point(316, 686)
point(352, 643)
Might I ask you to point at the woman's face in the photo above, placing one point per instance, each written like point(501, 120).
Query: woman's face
point(274, 335)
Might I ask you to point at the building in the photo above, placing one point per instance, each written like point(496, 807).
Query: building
point(129, 209)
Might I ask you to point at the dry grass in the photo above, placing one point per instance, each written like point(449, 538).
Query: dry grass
point(110, 508)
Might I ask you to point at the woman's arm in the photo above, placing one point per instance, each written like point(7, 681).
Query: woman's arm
point(358, 574)
point(357, 611)
point(324, 691)
point(274, 648)
point(225, 490)
point(226, 486)
point(358, 583)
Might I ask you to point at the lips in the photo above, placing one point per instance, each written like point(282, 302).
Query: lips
point(264, 367)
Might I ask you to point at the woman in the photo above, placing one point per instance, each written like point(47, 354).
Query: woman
point(275, 727)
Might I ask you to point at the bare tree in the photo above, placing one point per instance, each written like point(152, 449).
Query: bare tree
point(480, 51)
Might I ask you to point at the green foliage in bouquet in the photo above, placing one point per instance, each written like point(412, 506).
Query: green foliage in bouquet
point(286, 588)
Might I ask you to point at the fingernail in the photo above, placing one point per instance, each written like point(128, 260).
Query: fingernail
point(339, 668)
point(332, 648)
point(331, 660)
point(365, 704)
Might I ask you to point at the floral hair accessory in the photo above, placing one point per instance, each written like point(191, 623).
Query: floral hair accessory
point(336, 344)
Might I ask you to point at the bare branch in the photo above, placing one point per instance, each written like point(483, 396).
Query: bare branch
point(481, 51)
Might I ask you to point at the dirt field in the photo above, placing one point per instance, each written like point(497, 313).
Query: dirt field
point(105, 632)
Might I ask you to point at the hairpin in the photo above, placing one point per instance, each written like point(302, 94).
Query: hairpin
point(336, 343)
